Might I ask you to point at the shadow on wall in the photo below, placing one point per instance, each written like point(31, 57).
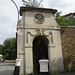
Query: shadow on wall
point(63, 30)
point(70, 65)
point(56, 66)
point(69, 62)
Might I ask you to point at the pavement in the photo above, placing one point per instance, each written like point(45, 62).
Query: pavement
point(7, 68)
point(68, 73)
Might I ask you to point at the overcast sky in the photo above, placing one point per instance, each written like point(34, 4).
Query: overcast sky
point(8, 14)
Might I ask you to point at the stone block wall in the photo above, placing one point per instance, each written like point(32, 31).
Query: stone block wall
point(68, 47)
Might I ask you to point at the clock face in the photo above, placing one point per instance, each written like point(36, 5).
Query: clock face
point(39, 19)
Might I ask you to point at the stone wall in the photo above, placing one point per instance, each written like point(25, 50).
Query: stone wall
point(68, 47)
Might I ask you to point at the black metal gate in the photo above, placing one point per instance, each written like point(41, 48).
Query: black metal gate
point(40, 51)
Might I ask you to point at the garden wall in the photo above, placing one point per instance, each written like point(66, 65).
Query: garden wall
point(68, 47)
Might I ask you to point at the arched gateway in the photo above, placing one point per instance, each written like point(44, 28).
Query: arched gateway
point(38, 37)
point(40, 51)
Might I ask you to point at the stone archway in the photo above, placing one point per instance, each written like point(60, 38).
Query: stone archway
point(40, 51)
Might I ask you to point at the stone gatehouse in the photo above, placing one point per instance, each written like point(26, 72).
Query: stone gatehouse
point(38, 37)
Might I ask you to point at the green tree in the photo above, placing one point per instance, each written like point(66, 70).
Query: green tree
point(9, 49)
point(1, 47)
point(32, 3)
point(62, 21)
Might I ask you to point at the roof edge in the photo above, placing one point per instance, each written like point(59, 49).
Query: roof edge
point(23, 8)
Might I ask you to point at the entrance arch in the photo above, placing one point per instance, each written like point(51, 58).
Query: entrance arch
point(40, 51)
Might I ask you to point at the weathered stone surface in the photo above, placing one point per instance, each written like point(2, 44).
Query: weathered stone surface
point(45, 26)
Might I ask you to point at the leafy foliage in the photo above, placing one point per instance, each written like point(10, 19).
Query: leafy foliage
point(62, 21)
point(9, 49)
point(1, 47)
point(32, 3)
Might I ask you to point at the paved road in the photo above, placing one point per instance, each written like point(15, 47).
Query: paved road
point(68, 73)
point(7, 68)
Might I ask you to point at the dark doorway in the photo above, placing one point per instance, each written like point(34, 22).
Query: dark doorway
point(40, 51)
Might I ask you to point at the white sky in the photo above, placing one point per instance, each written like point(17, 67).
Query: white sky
point(8, 14)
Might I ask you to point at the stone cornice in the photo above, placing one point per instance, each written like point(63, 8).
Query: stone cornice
point(23, 9)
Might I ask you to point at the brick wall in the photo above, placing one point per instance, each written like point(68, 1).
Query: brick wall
point(68, 47)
